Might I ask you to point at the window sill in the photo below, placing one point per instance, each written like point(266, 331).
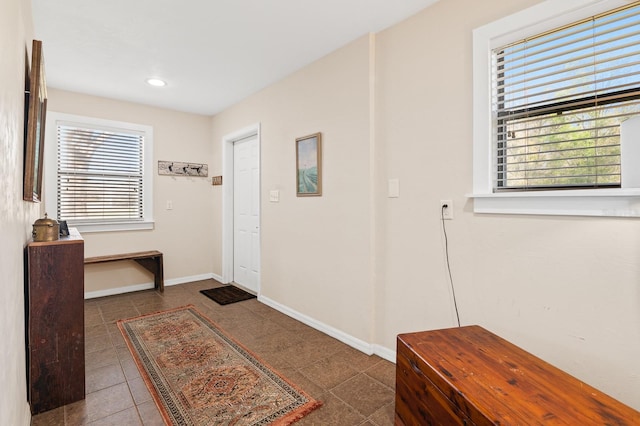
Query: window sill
point(602, 202)
point(85, 228)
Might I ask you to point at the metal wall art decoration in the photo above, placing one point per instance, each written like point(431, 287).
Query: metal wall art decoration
point(176, 168)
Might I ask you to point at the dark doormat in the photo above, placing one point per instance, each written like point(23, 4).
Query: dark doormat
point(227, 294)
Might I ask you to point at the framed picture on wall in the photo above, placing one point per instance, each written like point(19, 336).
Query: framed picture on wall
point(36, 99)
point(309, 165)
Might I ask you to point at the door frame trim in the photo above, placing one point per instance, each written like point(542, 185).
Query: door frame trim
point(227, 197)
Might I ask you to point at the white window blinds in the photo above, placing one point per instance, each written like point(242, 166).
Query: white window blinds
point(559, 99)
point(100, 174)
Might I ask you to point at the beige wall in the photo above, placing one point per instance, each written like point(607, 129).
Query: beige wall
point(16, 216)
point(184, 234)
point(423, 138)
point(566, 289)
point(563, 288)
point(315, 250)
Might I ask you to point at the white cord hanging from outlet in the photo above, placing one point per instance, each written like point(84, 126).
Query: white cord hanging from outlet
point(446, 208)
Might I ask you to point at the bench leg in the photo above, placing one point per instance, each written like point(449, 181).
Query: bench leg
point(154, 265)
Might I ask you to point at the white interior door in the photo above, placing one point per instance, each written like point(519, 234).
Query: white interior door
point(246, 213)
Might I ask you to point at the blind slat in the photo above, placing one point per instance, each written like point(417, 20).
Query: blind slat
point(100, 174)
point(559, 99)
point(572, 31)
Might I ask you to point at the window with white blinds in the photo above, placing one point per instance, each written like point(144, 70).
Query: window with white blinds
point(100, 174)
point(559, 99)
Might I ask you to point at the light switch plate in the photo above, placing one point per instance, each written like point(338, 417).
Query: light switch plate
point(274, 196)
point(394, 188)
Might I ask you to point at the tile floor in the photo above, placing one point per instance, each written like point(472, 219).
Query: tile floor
point(356, 389)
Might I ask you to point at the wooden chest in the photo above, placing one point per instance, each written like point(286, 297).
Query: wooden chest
point(469, 376)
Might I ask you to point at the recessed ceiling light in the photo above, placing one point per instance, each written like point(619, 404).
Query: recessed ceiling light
point(156, 82)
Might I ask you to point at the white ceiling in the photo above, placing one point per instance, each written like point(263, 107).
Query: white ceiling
point(211, 53)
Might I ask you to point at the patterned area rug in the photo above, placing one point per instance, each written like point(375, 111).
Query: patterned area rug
point(200, 376)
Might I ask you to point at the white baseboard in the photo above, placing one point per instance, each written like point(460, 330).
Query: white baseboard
point(117, 290)
point(192, 278)
point(26, 414)
point(385, 353)
point(149, 285)
point(362, 346)
point(218, 278)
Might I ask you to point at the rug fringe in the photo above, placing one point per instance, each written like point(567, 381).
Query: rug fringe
point(297, 415)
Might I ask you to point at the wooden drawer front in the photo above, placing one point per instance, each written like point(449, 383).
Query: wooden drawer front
point(418, 401)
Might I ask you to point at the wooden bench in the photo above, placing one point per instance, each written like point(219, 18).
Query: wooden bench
point(150, 260)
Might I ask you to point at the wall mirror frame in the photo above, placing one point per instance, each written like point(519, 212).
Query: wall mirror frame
point(36, 99)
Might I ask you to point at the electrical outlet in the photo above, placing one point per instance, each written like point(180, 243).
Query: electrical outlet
point(446, 209)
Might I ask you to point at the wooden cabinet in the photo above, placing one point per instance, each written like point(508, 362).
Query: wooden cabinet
point(55, 322)
point(469, 376)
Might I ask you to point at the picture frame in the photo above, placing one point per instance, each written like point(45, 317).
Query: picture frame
point(35, 119)
point(309, 165)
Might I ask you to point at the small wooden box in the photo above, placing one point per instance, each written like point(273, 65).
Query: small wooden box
point(469, 376)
